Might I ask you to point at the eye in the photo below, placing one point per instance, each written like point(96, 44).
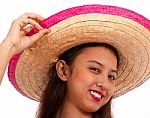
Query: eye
point(111, 77)
point(95, 70)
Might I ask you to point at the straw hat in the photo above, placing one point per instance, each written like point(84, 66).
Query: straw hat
point(126, 30)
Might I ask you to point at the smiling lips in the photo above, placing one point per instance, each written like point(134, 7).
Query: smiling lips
point(96, 95)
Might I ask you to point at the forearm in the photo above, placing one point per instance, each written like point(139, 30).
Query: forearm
point(5, 56)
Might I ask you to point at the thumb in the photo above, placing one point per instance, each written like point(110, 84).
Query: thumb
point(38, 35)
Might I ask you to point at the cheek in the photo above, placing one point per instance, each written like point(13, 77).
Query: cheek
point(82, 77)
point(110, 93)
point(78, 84)
point(112, 89)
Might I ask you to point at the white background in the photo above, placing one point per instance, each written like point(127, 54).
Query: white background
point(134, 104)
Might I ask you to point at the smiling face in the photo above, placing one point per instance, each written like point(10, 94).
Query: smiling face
point(90, 83)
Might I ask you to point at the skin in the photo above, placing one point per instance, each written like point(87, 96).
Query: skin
point(90, 71)
point(84, 75)
point(16, 39)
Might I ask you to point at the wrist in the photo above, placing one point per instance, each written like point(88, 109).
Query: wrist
point(7, 48)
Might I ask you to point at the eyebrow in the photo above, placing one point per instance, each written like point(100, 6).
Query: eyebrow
point(100, 64)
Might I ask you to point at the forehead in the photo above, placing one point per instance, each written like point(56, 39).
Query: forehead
point(98, 53)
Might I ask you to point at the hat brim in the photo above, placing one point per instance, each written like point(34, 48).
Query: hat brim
point(130, 35)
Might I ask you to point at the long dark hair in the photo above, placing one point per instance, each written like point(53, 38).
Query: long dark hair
point(55, 91)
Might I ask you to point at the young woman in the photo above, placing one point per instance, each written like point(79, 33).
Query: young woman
point(82, 82)
point(90, 55)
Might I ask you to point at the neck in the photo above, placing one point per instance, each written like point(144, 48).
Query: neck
point(70, 111)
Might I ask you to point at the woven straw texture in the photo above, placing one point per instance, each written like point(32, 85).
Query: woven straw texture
point(28, 71)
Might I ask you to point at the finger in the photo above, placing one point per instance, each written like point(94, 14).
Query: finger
point(32, 16)
point(28, 29)
point(30, 40)
point(38, 35)
point(24, 22)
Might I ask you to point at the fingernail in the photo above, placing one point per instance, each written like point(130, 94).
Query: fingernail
point(42, 28)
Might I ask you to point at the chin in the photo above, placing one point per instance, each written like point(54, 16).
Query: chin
point(92, 109)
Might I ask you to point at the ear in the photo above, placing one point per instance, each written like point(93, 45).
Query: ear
point(63, 70)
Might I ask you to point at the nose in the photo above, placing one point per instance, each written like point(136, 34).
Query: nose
point(103, 82)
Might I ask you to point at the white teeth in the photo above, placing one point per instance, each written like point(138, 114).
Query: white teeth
point(96, 94)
